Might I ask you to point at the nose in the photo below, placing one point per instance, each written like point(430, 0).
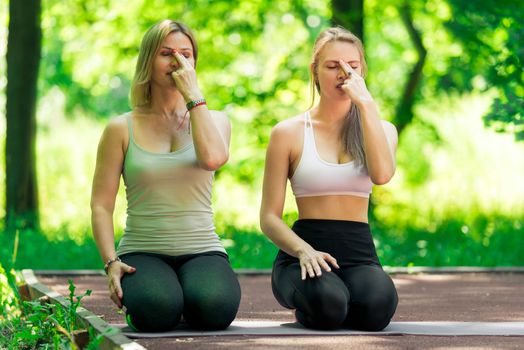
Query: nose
point(341, 74)
point(174, 63)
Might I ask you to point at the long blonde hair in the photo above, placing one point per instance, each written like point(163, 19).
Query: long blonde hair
point(140, 95)
point(351, 134)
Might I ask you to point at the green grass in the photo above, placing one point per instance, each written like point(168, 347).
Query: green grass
point(493, 240)
point(488, 241)
point(249, 249)
point(35, 250)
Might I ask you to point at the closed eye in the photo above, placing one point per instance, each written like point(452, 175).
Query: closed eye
point(336, 67)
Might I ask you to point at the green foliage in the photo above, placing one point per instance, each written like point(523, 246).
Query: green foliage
point(37, 324)
point(248, 249)
point(69, 315)
point(507, 111)
point(457, 241)
point(473, 46)
point(417, 165)
point(491, 35)
point(244, 47)
point(32, 246)
point(8, 295)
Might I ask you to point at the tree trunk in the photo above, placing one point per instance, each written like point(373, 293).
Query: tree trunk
point(350, 15)
point(23, 58)
point(404, 114)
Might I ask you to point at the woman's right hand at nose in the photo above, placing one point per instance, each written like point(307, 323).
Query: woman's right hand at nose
point(115, 273)
point(313, 261)
point(185, 78)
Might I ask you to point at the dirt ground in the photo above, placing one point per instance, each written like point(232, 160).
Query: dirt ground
point(482, 297)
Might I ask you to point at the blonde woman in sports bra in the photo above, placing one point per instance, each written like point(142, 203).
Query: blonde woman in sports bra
point(327, 268)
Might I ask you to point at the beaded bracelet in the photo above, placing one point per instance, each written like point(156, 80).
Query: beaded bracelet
point(109, 262)
point(195, 103)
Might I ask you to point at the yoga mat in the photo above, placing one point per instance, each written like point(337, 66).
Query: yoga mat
point(441, 328)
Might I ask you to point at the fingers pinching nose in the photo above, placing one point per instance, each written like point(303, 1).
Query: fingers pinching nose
point(181, 60)
point(346, 68)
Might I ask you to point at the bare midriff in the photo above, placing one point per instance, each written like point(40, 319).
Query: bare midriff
point(333, 207)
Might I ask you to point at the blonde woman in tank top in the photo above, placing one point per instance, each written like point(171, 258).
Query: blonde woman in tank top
point(170, 262)
point(327, 268)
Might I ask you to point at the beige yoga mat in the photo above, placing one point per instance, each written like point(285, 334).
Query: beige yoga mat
point(272, 328)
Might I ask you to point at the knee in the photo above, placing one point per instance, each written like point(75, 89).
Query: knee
point(374, 313)
point(211, 311)
point(324, 306)
point(154, 313)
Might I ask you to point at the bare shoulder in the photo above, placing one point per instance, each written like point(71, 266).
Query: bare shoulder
point(118, 124)
point(289, 128)
point(286, 138)
point(116, 132)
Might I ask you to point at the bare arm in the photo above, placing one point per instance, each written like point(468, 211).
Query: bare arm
point(211, 133)
point(109, 162)
point(380, 143)
point(106, 180)
point(273, 197)
point(211, 130)
point(380, 137)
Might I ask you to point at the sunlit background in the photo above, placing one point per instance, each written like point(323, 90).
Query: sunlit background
point(457, 196)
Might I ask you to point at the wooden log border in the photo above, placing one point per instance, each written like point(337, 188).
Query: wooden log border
point(112, 337)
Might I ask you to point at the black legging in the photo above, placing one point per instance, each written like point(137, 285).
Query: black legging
point(359, 295)
point(202, 287)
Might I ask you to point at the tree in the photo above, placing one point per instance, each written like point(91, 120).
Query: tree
point(350, 15)
point(491, 34)
point(404, 114)
point(23, 57)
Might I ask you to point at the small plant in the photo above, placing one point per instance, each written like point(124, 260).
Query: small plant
point(39, 324)
point(74, 303)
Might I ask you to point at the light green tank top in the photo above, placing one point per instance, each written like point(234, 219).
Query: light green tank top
point(168, 202)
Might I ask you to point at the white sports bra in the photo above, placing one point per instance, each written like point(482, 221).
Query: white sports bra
point(316, 177)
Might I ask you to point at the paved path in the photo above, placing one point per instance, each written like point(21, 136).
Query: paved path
point(485, 297)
